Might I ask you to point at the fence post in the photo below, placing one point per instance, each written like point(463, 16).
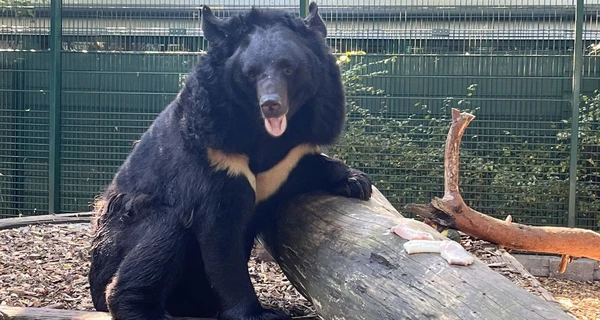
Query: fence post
point(576, 86)
point(303, 8)
point(55, 105)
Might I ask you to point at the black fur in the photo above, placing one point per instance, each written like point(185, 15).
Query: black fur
point(173, 236)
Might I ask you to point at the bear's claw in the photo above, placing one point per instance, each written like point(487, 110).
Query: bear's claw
point(357, 185)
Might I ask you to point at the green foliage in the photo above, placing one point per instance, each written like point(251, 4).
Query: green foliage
point(20, 8)
point(522, 173)
point(588, 162)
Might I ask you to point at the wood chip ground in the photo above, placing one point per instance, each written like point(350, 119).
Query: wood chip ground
point(46, 266)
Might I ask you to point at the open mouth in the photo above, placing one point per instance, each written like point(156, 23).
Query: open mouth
point(276, 126)
point(272, 98)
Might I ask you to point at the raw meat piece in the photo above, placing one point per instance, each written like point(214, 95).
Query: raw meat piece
point(450, 250)
point(411, 233)
point(423, 246)
point(454, 253)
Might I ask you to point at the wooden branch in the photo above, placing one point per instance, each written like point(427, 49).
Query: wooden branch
point(18, 313)
point(460, 121)
point(564, 261)
point(9, 223)
point(452, 211)
point(340, 254)
point(427, 211)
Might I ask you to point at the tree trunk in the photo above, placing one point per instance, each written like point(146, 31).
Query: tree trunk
point(340, 254)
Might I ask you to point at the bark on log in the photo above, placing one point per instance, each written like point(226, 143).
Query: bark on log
point(339, 253)
point(452, 211)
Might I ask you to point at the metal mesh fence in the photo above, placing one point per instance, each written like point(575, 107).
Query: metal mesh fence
point(588, 187)
point(510, 62)
point(23, 111)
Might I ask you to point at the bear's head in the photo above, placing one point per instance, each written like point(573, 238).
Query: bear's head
point(280, 69)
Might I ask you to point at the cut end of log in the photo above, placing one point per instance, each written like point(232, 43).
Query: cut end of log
point(457, 114)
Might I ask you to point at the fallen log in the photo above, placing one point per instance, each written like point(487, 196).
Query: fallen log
point(451, 211)
point(9, 223)
point(19, 313)
point(340, 254)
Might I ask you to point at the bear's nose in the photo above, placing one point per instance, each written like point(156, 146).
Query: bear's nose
point(271, 105)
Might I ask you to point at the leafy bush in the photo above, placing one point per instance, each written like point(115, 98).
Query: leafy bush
point(501, 173)
point(20, 8)
point(588, 161)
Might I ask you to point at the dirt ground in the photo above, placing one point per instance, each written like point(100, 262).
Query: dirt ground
point(46, 266)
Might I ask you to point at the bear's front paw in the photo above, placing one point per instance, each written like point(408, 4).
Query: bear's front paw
point(356, 185)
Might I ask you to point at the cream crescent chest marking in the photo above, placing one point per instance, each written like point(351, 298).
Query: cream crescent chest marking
point(268, 182)
point(234, 164)
point(265, 184)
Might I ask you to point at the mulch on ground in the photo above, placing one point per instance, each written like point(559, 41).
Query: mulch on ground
point(46, 266)
point(580, 298)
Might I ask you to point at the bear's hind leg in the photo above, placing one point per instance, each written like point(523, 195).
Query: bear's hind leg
point(149, 271)
point(225, 241)
point(192, 296)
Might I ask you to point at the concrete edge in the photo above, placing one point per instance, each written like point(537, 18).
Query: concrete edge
point(582, 269)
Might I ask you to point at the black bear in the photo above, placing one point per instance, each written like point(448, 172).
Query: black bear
point(175, 227)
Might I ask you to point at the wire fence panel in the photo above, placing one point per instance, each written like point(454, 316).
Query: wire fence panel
point(588, 187)
point(405, 65)
point(506, 150)
point(108, 101)
point(511, 65)
point(23, 112)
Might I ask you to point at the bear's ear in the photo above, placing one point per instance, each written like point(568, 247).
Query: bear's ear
point(211, 25)
point(313, 21)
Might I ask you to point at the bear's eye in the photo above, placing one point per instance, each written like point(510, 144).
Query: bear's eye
point(288, 70)
point(251, 74)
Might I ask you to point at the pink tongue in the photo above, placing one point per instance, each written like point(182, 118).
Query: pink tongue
point(276, 126)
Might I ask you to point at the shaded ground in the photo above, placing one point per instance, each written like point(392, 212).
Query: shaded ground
point(46, 266)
